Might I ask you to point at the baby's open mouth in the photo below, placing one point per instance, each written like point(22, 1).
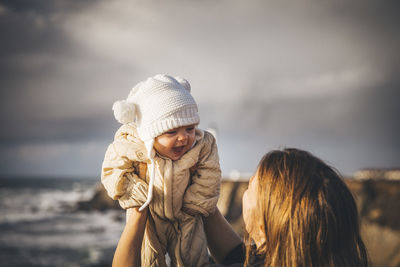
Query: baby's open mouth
point(178, 149)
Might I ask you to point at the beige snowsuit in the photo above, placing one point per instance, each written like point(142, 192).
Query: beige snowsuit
point(192, 182)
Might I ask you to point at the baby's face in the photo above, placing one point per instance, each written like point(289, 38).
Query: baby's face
point(176, 142)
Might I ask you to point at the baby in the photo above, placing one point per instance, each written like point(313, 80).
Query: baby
point(161, 160)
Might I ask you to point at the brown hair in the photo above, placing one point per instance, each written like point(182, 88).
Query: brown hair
point(308, 214)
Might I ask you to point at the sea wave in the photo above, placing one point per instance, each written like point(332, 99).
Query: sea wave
point(27, 204)
point(40, 225)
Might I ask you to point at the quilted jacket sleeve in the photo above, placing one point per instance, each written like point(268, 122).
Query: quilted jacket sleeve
point(202, 195)
point(120, 173)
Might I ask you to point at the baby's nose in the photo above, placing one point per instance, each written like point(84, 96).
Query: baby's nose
point(182, 136)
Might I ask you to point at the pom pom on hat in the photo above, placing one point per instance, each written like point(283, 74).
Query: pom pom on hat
point(124, 112)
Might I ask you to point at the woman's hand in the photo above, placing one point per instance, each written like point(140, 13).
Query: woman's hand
point(128, 252)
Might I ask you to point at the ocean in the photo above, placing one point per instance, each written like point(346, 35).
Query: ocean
point(41, 226)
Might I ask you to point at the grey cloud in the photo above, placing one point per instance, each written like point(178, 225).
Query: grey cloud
point(63, 63)
point(57, 130)
point(45, 7)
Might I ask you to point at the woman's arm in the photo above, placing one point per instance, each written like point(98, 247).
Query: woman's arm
point(128, 251)
point(221, 238)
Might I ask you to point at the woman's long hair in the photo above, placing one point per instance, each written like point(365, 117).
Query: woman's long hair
point(308, 214)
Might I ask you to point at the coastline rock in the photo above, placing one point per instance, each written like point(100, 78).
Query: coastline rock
point(378, 202)
point(100, 201)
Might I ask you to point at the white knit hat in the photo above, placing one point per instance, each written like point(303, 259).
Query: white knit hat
point(157, 105)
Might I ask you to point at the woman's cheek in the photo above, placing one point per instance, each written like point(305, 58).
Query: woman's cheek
point(247, 213)
point(250, 212)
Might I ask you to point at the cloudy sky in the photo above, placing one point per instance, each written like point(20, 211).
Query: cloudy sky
point(317, 75)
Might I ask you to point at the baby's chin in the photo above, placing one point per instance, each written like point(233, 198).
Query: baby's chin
point(177, 153)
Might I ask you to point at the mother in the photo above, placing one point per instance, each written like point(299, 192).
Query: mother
point(297, 212)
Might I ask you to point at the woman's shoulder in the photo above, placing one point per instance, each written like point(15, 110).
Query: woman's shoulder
point(230, 265)
point(237, 256)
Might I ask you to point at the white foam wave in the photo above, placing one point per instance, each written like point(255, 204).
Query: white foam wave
point(35, 204)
